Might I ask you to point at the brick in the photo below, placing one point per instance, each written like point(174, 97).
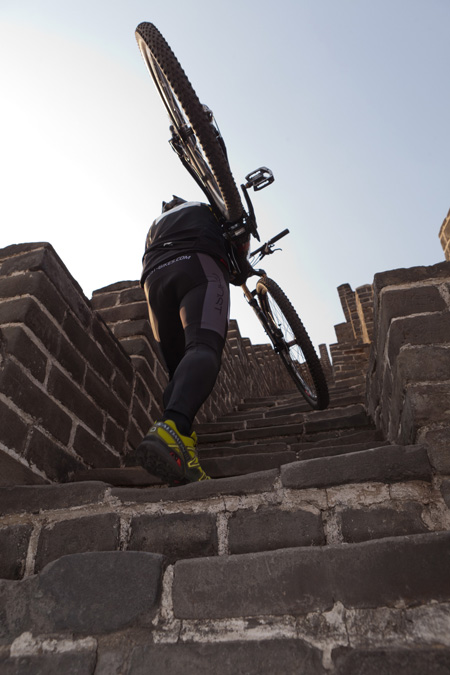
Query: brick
point(382, 573)
point(112, 348)
point(15, 384)
point(414, 660)
point(92, 450)
point(289, 657)
point(363, 524)
point(16, 250)
point(84, 593)
point(51, 663)
point(175, 536)
point(134, 311)
point(13, 546)
point(423, 363)
point(69, 358)
point(115, 436)
point(267, 529)
point(424, 404)
point(84, 343)
point(15, 472)
point(386, 464)
point(139, 346)
point(136, 294)
point(37, 285)
point(410, 275)
point(49, 457)
point(437, 441)
point(26, 311)
point(13, 429)
point(36, 498)
point(130, 328)
point(122, 387)
point(45, 259)
point(74, 399)
point(413, 330)
point(115, 287)
point(405, 301)
point(79, 535)
point(154, 385)
point(140, 415)
point(22, 347)
point(106, 398)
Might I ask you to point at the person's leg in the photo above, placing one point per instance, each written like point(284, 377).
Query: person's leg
point(201, 287)
point(204, 315)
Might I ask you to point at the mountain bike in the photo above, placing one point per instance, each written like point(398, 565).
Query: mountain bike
point(196, 139)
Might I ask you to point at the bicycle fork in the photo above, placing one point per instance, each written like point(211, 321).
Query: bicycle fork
point(272, 331)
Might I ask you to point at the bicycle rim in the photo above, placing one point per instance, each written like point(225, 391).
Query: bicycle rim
point(292, 343)
point(196, 135)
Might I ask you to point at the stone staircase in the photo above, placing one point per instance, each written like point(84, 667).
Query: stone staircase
point(319, 548)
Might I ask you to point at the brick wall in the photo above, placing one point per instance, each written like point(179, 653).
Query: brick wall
point(409, 376)
point(350, 354)
point(78, 387)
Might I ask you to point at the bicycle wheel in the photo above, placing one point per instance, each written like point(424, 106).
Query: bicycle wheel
point(292, 343)
point(197, 138)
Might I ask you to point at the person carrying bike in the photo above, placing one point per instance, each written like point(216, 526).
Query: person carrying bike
point(186, 275)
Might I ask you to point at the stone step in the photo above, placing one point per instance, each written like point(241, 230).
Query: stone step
point(237, 465)
point(353, 417)
point(272, 612)
point(334, 437)
point(386, 494)
point(386, 464)
point(394, 571)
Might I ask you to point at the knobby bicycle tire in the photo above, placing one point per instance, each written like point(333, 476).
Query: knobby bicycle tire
point(293, 344)
point(156, 50)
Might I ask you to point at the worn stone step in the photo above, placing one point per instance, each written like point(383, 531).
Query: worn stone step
point(135, 476)
point(235, 465)
point(240, 448)
point(304, 452)
point(384, 464)
point(333, 437)
point(382, 573)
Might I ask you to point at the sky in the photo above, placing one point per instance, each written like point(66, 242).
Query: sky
point(347, 101)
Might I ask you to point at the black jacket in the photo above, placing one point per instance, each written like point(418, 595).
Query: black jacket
point(190, 227)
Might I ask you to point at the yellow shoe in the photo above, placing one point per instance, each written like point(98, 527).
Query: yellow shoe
point(166, 453)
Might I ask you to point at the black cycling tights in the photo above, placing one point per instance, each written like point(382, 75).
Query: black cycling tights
point(188, 300)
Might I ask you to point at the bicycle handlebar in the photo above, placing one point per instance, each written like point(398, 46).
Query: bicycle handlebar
point(264, 249)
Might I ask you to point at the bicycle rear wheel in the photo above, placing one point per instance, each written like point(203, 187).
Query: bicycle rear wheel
point(292, 343)
point(198, 141)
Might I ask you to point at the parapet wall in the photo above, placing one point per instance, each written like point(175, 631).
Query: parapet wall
point(408, 388)
point(350, 354)
point(81, 382)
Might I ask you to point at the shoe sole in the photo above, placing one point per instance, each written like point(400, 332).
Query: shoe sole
point(154, 456)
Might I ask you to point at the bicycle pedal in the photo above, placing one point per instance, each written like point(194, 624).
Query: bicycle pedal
point(259, 178)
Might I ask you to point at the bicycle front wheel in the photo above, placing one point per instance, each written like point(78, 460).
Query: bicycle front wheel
point(197, 138)
point(292, 343)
